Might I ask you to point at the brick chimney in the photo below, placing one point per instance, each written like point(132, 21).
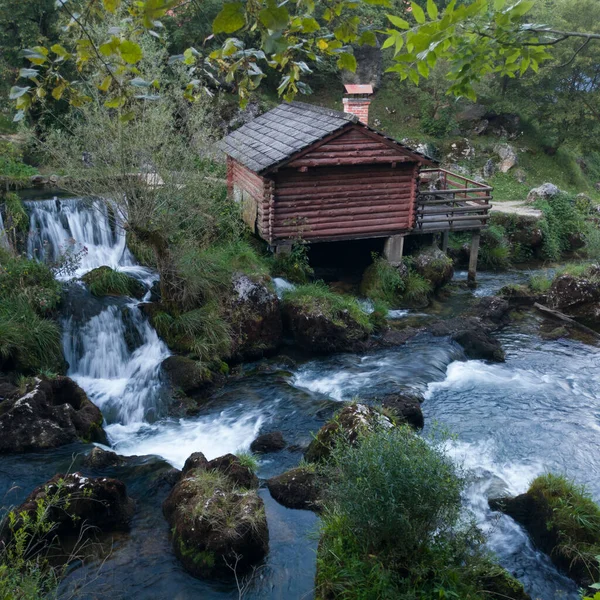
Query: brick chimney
point(357, 101)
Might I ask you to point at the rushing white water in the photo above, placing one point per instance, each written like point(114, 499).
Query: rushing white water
point(282, 286)
point(113, 352)
point(3, 237)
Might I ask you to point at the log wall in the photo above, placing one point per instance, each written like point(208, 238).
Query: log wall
point(254, 193)
point(344, 202)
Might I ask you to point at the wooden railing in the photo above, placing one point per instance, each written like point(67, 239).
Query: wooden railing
point(448, 201)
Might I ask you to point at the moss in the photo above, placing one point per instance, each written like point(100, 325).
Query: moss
point(382, 282)
point(105, 281)
point(202, 558)
point(142, 252)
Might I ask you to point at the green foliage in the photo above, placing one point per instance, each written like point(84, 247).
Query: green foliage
point(392, 527)
point(379, 315)
point(318, 298)
point(382, 282)
point(540, 283)
point(16, 215)
point(11, 162)
point(105, 281)
point(201, 332)
point(248, 460)
point(494, 252)
point(417, 289)
point(573, 514)
point(561, 221)
point(293, 265)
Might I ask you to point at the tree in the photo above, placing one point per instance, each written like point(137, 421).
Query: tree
point(477, 39)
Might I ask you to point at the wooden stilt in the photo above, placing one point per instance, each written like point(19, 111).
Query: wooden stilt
point(394, 249)
point(282, 249)
point(473, 257)
point(445, 238)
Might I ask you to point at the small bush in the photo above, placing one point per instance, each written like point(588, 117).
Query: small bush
point(494, 253)
point(317, 297)
point(417, 289)
point(11, 162)
point(248, 460)
point(17, 218)
point(293, 266)
point(540, 283)
point(382, 282)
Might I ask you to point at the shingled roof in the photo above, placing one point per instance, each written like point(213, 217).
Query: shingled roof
point(278, 134)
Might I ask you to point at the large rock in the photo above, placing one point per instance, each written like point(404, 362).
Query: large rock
point(79, 505)
point(315, 329)
point(567, 291)
point(216, 524)
point(186, 374)
point(301, 488)
point(434, 266)
point(347, 425)
point(104, 281)
point(494, 309)
point(508, 157)
point(254, 316)
point(546, 191)
point(52, 413)
point(268, 442)
point(406, 408)
point(535, 511)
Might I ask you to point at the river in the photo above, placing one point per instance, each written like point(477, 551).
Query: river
point(539, 411)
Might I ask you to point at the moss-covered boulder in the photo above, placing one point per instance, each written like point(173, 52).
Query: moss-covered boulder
point(105, 281)
point(347, 425)
point(300, 488)
point(268, 442)
point(404, 408)
point(576, 291)
point(254, 316)
point(215, 522)
point(496, 582)
point(51, 413)
point(562, 521)
point(322, 322)
point(434, 266)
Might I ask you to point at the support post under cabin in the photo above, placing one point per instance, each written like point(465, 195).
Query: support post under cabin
point(445, 239)
point(283, 249)
point(394, 249)
point(473, 257)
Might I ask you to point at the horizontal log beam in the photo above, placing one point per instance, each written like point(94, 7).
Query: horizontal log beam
point(458, 201)
point(298, 205)
point(380, 211)
point(314, 162)
point(449, 210)
point(343, 228)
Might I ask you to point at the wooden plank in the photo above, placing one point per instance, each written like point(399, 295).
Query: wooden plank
point(562, 317)
point(451, 210)
point(440, 202)
point(315, 162)
point(299, 205)
point(378, 211)
point(347, 192)
point(342, 218)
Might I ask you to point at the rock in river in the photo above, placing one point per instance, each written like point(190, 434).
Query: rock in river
point(216, 522)
point(51, 413)
point(297, 488)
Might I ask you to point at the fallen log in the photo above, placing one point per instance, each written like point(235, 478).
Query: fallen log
point(562, 317)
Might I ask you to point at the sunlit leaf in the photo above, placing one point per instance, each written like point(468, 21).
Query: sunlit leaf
point(112, 5)
point(131, 52)
point(231, 18)
point(347, 61)
point(417, 13)
point(432, 10)
point(398, 22)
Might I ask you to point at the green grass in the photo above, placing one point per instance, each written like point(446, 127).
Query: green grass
point(540, 283)
point(318, 298)
point(574, 515)
point(105, 281)
point(382, 282)
point(248, 460)
point(293, 266)
point(417, 289)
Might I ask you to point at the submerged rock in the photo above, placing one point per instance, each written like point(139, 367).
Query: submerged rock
point(268, 442)
point(346, 425)
point(254, 317)
point(297, 488)
point(216, 522)
point(52, 413)
point(434, 266)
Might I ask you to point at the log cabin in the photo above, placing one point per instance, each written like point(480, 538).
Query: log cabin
point(301, 171)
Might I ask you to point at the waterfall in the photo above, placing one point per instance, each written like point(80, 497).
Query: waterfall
point(4, 243)
point(112, 350)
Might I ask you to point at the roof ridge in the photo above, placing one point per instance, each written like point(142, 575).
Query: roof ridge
point(331, 112)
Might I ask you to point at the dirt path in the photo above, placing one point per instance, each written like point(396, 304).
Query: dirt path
point(516, 207)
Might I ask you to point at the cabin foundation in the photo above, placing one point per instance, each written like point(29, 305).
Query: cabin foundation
point(393, 250)
point(474, 252)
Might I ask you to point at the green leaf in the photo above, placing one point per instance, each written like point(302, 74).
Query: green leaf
point(112, 5)
point(398, 22)
point(126, 117)
point(388, 42)
point(34, 55)
point(418, 13)
point(432, 10)
point(414, 77)
point(131, 52)
point(19, 116)
point(347, 61)
point(499, 4)
point(17, 92)
point(231, 18)
point(115, 102)
point(58, 91)
point(103, 87)
point(28, 73)
point(423, 69)
point(310, 25)
point(60, 51)
point(367, 38)
point(275, 18)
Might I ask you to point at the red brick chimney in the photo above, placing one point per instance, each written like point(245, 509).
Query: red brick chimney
point(357, 100)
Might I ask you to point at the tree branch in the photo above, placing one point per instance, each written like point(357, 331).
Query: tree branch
point(574, 55)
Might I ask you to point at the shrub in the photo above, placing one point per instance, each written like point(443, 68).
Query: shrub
point(417, 289)
point(17, 218)
point(317, 297)
point(392, 525)
point(248, 460)
point(495, 248)
point(11, 162)
point(540, 283)
point(293, 266)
